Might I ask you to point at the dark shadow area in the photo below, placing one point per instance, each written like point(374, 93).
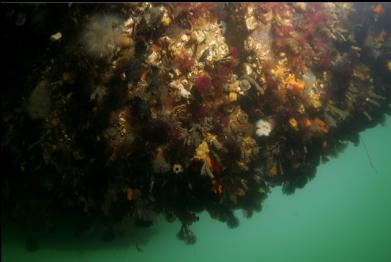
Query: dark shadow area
point(63, 237)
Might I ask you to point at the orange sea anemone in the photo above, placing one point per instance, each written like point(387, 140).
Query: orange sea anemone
point(378, 9)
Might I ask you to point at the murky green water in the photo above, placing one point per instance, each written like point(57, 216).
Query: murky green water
point(343, 214)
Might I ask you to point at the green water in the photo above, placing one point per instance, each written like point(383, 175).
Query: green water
point(343, 214)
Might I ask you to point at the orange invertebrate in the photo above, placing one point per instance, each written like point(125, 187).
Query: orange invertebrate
point(130, 194)
point(273, 171)
point(307, 122)
point(320, 126)
point(378, 9)
point(382, 37)
point(217, 187)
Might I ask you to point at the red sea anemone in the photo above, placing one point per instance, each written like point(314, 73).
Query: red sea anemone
point(185, 64)
point(203, 84)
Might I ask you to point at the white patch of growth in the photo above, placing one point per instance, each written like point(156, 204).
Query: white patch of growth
point(263, 128)
point(101, 35)
point(39, 102)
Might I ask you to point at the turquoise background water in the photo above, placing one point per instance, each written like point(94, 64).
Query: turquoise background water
point(343, 214)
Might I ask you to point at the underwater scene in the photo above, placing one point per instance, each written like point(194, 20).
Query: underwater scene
point(196, 132)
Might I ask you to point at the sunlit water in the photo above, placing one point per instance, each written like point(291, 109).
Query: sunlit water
point(343, 214)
